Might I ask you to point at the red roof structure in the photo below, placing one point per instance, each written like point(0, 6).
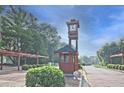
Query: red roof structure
point(19, 55)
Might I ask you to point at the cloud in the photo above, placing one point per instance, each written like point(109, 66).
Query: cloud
point(118, 17)
point(112, 33)
point(98, 24)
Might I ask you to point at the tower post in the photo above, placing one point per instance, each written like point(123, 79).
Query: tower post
point(73, 26)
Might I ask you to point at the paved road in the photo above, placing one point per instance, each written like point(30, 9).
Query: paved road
point(99, 77)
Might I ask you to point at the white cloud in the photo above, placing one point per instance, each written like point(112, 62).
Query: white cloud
point(118, 17)
point(89, 45)
point(112, 33)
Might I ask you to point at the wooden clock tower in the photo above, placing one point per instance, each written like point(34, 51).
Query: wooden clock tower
point(69, 55)
point(73, 26)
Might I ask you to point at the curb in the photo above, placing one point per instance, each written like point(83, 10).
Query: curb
point(84, 82)
point(86, 79)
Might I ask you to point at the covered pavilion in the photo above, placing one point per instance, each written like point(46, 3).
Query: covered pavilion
point(121, 54)
point(19, 55)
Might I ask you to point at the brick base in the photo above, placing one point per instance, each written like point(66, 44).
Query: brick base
point(68, 67)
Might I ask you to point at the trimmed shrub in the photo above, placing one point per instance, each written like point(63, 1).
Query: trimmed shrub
point(119, 67)
point(83, 64)
point(110, 66)
point(122, 67)
point(39, 65)
point(33, 66)
point(80, 66)
point(27, 67)
point(115, 66)
point(46, 76)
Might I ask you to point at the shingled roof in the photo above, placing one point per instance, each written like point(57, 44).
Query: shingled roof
point(66, 48)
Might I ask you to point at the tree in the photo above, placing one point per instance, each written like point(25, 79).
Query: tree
point(15, 29)
point(53, 39)
point(121, 45)
point(108, 49)
point(21, 31)
point(1, 9)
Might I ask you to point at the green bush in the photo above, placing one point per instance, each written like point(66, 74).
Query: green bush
point(119, 67)
point(104, 64)
point(116, 67)
point(110, 66)
point(83, 64)
point(33, 66)
point(39, 65)
point(46, 76)
point(123, 67)
point(27, 67)
point(80, 66)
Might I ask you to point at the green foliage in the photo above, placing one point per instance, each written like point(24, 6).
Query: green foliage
point(103, 64)
point(108, 49)
point(115, 66)
point(81, 66)
point(27, 67)
point(84, 60)
point(100, 58)
point(123, 67)
point(1, 9)
point(21, 31)
point(46, 76)
point(119, 67)
point(109, 66)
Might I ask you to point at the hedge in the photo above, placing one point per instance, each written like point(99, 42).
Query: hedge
point(115, 66)
point(46, 76)
point(80, 66)
point(27, 67)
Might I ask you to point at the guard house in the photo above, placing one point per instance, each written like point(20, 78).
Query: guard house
point(68, 55)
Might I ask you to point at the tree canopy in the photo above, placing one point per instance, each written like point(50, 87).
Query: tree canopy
point(108, 49)
point(22, 31)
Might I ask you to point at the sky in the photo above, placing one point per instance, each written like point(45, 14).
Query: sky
point(98, 24)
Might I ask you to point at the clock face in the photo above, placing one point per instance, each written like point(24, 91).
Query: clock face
point(72, 27)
